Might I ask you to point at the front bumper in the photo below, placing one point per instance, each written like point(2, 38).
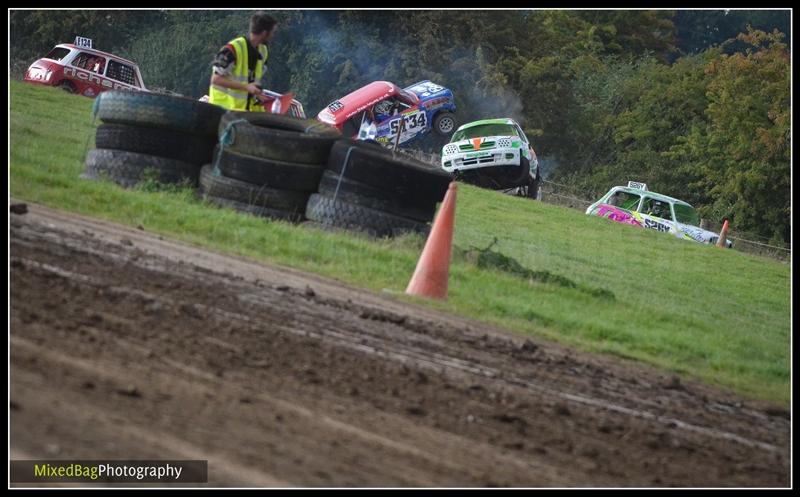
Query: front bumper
point(40, 75)
point(465, 161)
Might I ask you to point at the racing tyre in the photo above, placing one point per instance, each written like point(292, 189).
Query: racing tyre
point(269, 173)
point(533, 188)
point(255, 210)
point(162, 111)
point(216, 185)
point(400, 175)
point(179, 145)
point(342, 214)
point(444, 123)
point(334, 186)
point(129, 168)
point(277, 137)
point(521, 175)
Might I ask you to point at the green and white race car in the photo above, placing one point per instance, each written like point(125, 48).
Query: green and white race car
point(493, 153)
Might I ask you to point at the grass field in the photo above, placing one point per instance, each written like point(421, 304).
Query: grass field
point(720, 316)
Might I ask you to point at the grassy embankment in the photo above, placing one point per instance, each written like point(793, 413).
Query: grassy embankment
point(720, 316)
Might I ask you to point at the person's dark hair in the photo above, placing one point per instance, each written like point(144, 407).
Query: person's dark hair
point(261, 21)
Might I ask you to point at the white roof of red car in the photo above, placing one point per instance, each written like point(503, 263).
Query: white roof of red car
point(96, 52)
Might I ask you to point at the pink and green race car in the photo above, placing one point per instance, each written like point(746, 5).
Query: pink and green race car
point(637, 206)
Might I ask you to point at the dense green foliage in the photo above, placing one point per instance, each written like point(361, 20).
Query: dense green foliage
point(694, 103)
point(699, 29)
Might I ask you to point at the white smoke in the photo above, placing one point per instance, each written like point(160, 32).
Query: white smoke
point(495, 102)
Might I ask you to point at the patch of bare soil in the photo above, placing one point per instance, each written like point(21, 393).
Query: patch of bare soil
point(125, 345)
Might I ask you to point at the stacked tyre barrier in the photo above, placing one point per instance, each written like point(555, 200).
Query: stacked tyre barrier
point(267, 165)
point(144, 133)
point(367, 188)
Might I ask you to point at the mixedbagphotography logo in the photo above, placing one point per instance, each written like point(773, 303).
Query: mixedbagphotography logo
point(107, 471)
point(73, 470)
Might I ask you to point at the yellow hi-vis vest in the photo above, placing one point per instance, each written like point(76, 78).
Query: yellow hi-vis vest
point(237, 99)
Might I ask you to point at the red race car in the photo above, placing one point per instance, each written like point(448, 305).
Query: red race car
point(78, 68)
point(378, 110)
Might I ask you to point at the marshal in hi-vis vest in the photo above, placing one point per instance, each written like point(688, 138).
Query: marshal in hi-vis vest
point(237, 99)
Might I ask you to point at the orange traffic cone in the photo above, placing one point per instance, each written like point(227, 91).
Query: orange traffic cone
point(723, 235)
point(432, 272)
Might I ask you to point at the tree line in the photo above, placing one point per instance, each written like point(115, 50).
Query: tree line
point(694, 103)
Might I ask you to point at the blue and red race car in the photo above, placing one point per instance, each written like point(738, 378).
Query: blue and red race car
point(378, 110)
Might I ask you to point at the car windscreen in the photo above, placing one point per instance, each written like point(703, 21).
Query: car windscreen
point(57, 53)
point(686, 214)
point(625, 200)
point(657, 208)
point(485, 130)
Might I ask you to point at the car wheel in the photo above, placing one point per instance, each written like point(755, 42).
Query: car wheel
point(444, 123)
point(67, 86)
point(533, 188)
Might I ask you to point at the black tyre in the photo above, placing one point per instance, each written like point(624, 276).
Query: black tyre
point(403, 176)
point(507, 177)
point(129, 168)
point(162, 111)
point(255, 210)
point(521, 175)
point(533, 188)
point(530, 186)
point(216, 185)
point(444, 123)
point(341, 214)
point(179, 145)
point(270, 173)
point(364, 195)
point(276, 137)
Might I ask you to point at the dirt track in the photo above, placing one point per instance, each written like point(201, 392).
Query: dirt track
point(128, 346)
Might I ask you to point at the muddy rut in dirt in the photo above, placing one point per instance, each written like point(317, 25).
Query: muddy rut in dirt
point(125, 345)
